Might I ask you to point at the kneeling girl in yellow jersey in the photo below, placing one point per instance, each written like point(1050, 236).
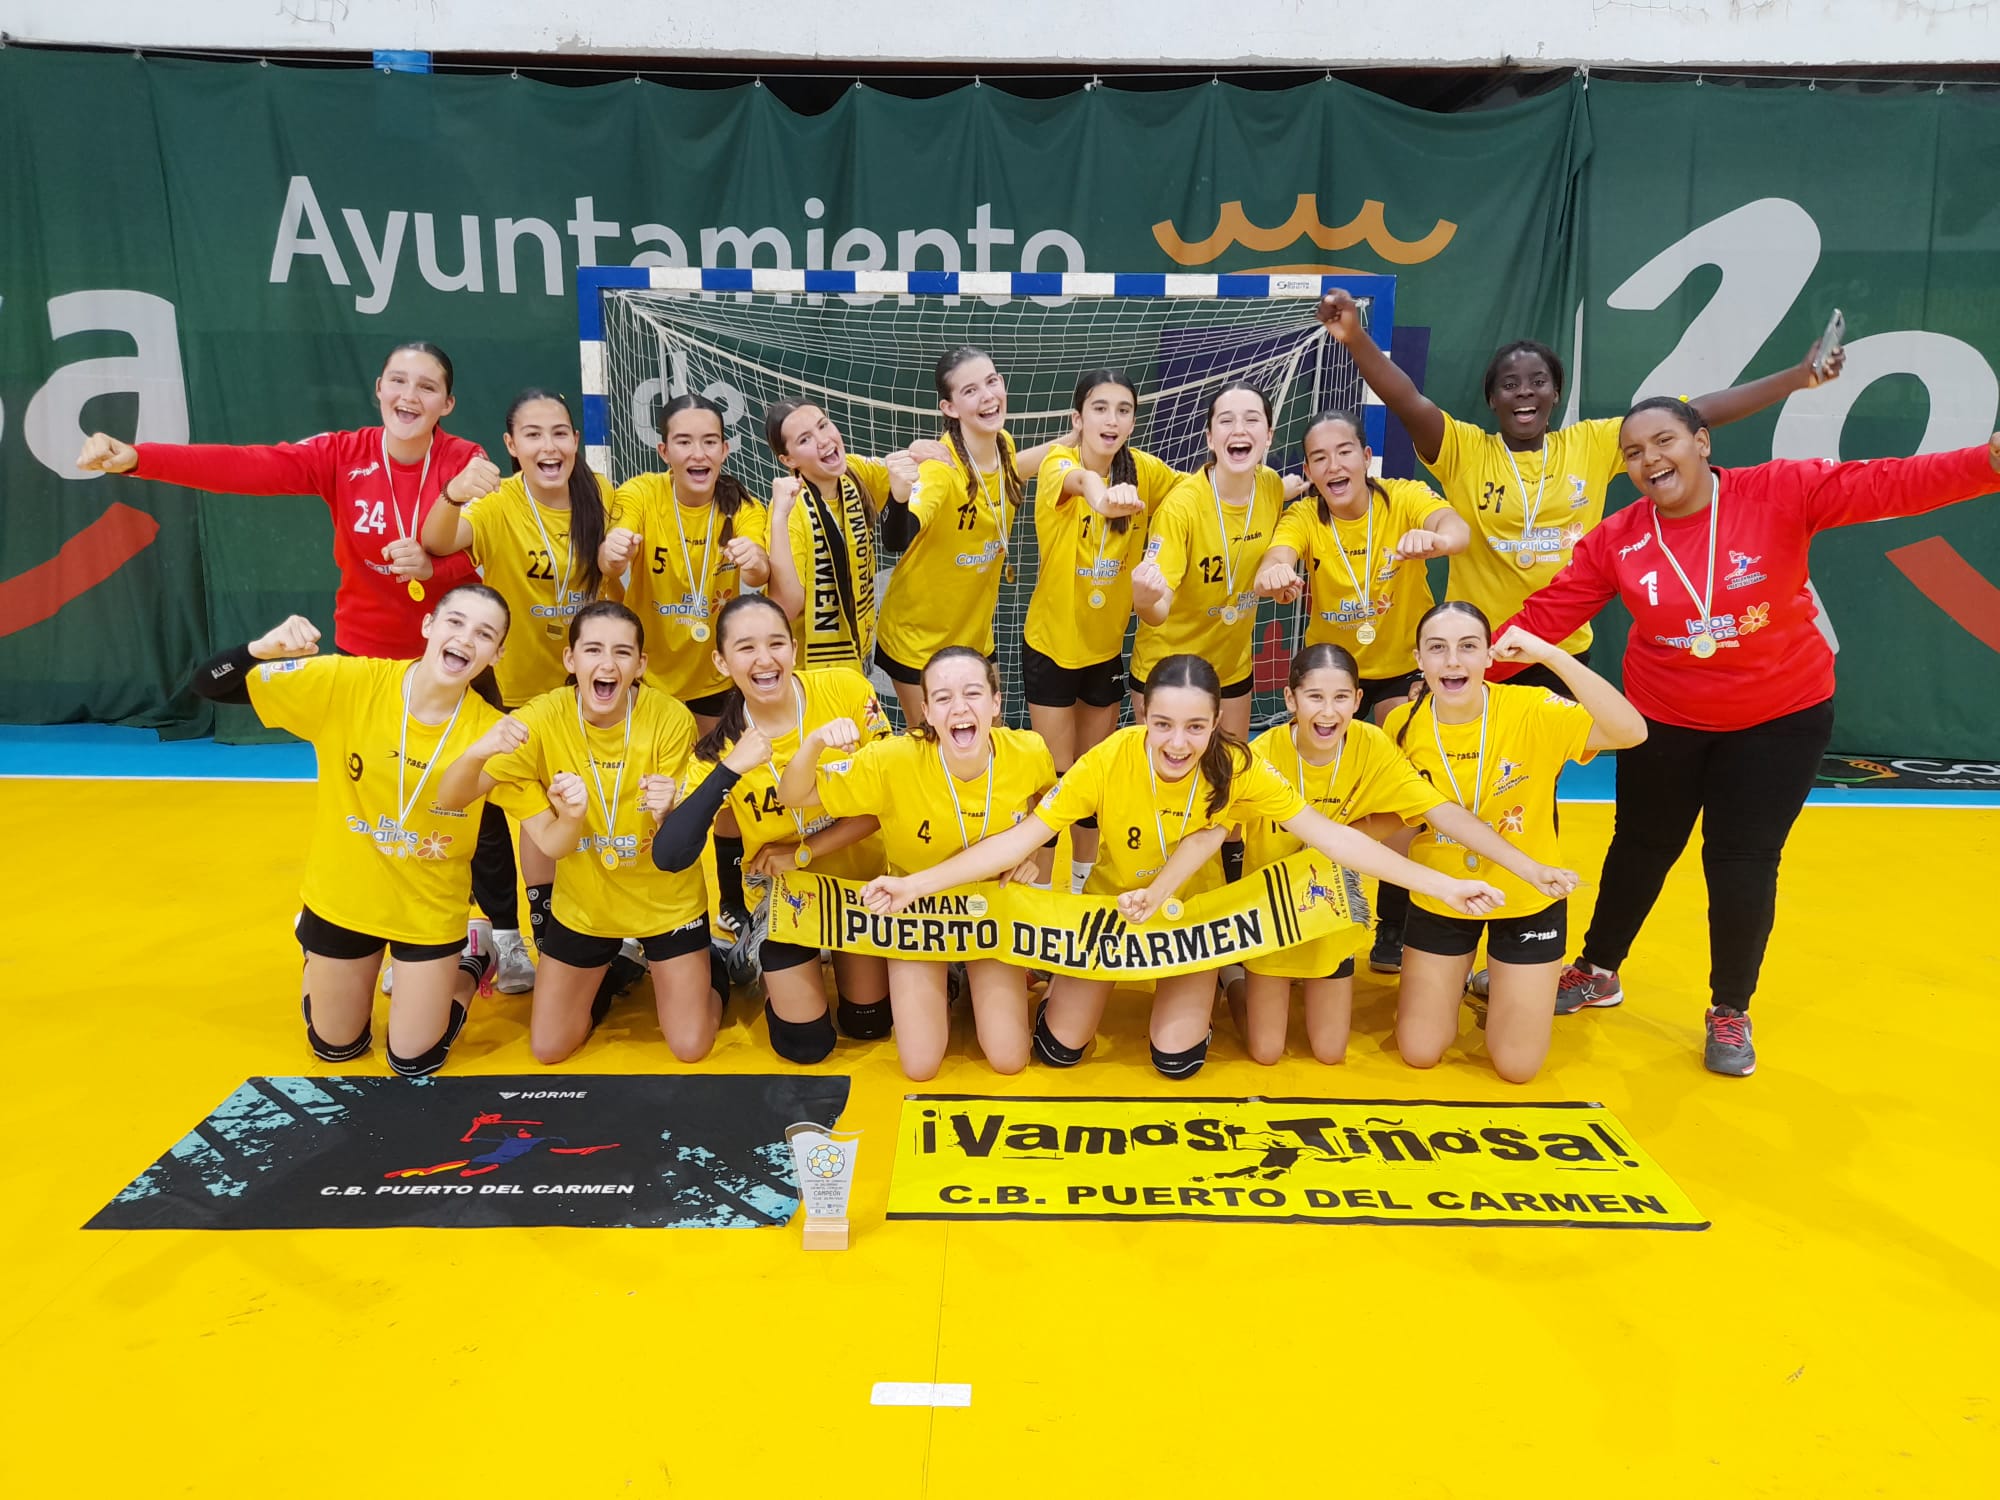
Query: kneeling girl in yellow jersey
point(535, 539)
point(1092, 502)
point(631, 744)
point(1177, 777)
point(387, 865)
point(765, 718)
point(1349, 770)
point(824, 511)
point(936, 791)
point(1496, 750)
point(1362, 542)
point(688, 541)
point(947, 584)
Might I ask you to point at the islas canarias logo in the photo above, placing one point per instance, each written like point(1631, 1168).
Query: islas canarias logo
point(1368, 227)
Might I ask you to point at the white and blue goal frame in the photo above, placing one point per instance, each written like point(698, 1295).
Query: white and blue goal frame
point(1378, 293)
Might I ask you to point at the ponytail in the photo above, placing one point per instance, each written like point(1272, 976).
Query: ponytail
point(729, 490)
point(1325, 656)
point(954, 434)
point(587, 520)
point(735, 714)
point(1225, 755)
point(1124, 468)
point(1345, 418)
point(1450, 606)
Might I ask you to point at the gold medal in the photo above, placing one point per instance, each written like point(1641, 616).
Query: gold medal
point(1366, 633)
point(416, 591)
point(1526, 559)
point(1472, 862)
point(1702, 644)
point(1007, 572)
point(1229, 614)
point(699, 630)
point(1096, 599)
point(609, 859)
point(1171, 909)
point(802, 854)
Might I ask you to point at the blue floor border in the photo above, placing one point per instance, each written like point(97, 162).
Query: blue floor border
point(108, 752)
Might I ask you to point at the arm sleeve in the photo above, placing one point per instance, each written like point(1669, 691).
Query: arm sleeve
point(1827, 494)
point(252, 469)
point(683, 831)
point(1578, 592)
point(225, 677)
point(1056, 465)
point(938, 486)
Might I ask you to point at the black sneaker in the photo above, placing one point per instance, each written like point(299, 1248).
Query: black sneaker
point(1386, 957)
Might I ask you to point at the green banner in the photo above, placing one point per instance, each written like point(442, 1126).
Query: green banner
point(223, 253)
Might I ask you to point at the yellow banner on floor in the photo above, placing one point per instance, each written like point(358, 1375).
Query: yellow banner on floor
point(1297, 900)
point(1332, 1161)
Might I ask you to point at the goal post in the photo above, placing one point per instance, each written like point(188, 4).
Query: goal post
point(862, 345)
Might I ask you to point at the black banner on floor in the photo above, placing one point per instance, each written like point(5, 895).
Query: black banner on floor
point(1908, 773)
point(599, 1151)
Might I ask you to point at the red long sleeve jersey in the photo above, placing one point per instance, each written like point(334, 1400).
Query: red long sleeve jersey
point(1771, 659)
point(373, 613)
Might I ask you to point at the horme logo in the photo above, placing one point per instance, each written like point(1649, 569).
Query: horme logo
point(547, 1094)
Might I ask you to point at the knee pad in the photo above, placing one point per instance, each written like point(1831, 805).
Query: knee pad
point(1056, 1053)
point(803, 1042)
point(864, 1023)
point(426, 1063)
point(1181, 1064)
point(324, 1050)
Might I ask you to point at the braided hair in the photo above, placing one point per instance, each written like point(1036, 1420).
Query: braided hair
point(954, 433)
point(1124, 468)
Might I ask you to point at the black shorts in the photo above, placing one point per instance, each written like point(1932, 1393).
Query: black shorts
point(1379, 690)
point(1540, 676)
point(1052, 685)
point(897, 672)
point(1229, 689)
point(775, 957)
point(710, 707)
point(581, 951)
point(330, 940)
point(1539, 939)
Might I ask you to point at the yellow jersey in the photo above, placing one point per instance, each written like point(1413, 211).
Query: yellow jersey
point(833, 553)
point(1369, 775)
point(522, 548)
point(1141, 819)
point(1209, 572)
point(927, 813)
point(680, 579)
point(1353, 578)
point(384, 859)
point(947, 584)
point(631, 897)
point(1084, 559)
point(1530, 733)
point(1559, 488)
point(817, 698)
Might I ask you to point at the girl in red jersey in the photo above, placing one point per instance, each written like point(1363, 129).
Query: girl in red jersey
point(1731, 673)
point(379, 483)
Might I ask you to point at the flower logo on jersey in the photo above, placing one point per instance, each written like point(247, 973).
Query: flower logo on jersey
point(1740, 575)
point(1755, 618)
point(1512, 774)
point(1572, 534)
point(1514, 820)
point(433, 846)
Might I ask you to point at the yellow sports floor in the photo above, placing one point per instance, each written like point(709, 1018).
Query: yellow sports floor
point(1834, 1333)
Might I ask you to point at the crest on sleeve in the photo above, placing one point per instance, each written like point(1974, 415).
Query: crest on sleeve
point(271, 669)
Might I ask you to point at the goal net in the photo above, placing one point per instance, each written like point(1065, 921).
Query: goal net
point(862, 345)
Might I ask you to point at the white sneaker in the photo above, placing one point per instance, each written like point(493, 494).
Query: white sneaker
point(516, 972)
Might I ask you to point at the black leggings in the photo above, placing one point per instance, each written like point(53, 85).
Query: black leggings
point(493, 884)
point(1747, 785)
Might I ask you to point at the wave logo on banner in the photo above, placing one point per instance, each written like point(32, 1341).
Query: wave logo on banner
point(1367, 227)
point(1298, 900)
point(1324, 1161)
